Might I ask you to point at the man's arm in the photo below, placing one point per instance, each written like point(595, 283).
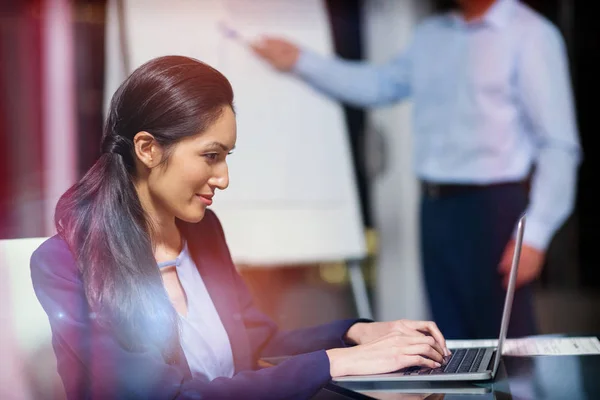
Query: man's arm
point(357, 83)
point(547, 98)
point(545, 93)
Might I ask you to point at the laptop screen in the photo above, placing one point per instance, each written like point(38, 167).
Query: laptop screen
point(510, 292)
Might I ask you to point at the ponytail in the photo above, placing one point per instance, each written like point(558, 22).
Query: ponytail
point(102, 220)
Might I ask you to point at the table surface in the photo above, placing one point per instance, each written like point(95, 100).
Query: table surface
point(537, 377)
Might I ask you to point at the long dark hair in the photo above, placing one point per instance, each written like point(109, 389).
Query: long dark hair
point(101, 217)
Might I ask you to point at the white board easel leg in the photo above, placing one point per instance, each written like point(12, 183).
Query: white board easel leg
point(359, 289)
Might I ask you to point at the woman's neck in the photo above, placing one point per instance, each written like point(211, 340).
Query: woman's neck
point(166, 239)
point(164, 234)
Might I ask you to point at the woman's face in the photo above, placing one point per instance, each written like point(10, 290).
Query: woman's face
point(184, 186)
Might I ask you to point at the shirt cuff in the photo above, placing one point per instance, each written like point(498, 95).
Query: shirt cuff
point(308, 64)
point(536, 234)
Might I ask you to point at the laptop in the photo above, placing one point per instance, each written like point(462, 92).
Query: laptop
point(464, 364)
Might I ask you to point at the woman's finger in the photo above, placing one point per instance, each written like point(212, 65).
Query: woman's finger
point(411, 361)
point(424, 350)
point(431, 328)
point(426, 341)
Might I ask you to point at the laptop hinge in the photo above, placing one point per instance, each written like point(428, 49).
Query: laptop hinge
point(492, 360)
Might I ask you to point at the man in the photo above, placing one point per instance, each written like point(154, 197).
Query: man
point(492, 103)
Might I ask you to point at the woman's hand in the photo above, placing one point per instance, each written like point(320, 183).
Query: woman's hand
point(362, 332)
point(389, 353)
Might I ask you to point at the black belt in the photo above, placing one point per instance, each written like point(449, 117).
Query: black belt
point(437, 190)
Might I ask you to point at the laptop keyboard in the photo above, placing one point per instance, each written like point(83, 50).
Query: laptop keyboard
point(461, 361)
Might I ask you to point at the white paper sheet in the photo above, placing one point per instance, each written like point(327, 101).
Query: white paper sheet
point(537, 346)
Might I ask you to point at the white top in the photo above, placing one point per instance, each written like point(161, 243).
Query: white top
point(203, 337)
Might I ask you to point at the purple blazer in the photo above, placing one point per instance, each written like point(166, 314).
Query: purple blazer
point(92, 363)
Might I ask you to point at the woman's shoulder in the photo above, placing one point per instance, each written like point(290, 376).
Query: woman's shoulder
point(53, 256)
point(54, 246)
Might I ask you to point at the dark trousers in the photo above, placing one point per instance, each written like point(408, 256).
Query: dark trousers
point(463, 236)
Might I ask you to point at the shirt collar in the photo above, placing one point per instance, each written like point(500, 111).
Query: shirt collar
point(498, 15)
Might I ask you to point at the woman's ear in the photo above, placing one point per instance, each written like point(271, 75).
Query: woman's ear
point(147, 149)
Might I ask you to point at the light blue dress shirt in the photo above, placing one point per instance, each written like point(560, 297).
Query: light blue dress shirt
point(204, 339)
point(491, 99)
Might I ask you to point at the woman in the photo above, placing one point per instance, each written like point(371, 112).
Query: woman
point(139, 286)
